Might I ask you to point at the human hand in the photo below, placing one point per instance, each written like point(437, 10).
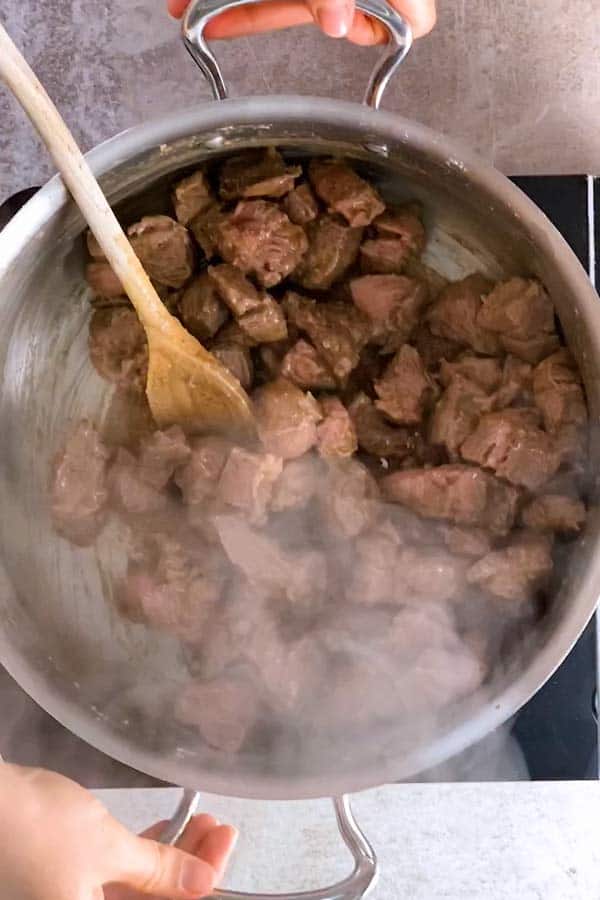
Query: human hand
point(337, 18)
point(57, 842)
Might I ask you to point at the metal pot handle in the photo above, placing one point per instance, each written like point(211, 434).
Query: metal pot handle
point(201, 12)
point(358, 884)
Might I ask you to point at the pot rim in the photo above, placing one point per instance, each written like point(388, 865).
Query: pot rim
point(370, 124)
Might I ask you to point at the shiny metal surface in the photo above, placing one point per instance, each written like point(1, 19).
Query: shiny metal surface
point(113, 683)
point(200, 12)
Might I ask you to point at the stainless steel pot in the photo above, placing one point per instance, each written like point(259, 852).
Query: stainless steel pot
point(59, 635)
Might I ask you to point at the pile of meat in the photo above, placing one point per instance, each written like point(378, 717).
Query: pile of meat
point(422, 448)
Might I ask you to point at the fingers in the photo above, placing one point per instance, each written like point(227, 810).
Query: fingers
point(334, 17)
point(217, 846)
point(420, 14)
point(155, 869)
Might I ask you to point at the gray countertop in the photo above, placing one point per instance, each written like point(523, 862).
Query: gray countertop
point(518, 82)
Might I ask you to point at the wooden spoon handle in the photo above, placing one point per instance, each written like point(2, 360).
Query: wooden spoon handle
point(80, 181)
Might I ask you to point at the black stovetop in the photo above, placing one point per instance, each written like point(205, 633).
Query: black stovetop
point(556, 732)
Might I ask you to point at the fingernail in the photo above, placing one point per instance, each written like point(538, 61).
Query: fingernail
point(196, 877)
point(334, 18)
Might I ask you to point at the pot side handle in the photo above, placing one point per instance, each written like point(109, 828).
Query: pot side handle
point(358, 884)
point(201, 12)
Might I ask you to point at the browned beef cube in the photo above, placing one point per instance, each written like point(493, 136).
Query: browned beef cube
point(532, 349)
point(463, 494)
point(374, 434)
point(131, 493)
point(519, 308)
point(405, 388)
point(198, 478)
point(455, 313)
point(164, 248)
point(266, 324)
point(304, 367)
point(93, 247)
point(237, 360)
point(516, 571)
point(558, 392)
point(571, 444)
point(161, 453)
point(223, 710)
point(205, 227)
point(485, 372)
point(297, 484)
point(457, 413)
point(555, 512)
point(510, 443)
point(79, 491)
point(335, 434)
point(103, 281)
point(256, 173)
point(286, 418)
point(118, 347)
point(201, 309)
point(332, 250)
point(405, 224)
point(260, 240)
point(517, 384)
point(247, 481)
point(231, 333)
point(393, 304)
point(371, 577)
point(345, 192)
point(427, 573)
point(301, 205)
point(338, 331)
point(432, 348)
point(384, 256)
point(466, 541)
point(192, 196)
point(349, 498)
point(237, 292)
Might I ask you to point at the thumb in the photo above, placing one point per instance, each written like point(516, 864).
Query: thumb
point(334, 17)
point(153, 868)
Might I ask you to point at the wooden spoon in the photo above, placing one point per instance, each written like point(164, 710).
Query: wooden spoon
point(186, 385)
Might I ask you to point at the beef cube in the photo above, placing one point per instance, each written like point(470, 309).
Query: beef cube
point(260, 240)
point(291, 674)
point(223, 710)
point(164, 248)
point(205, 228)
point(161, 454)
point(466, 541)
point(405, 388)
point(93, 247)
point(455, 315)
point(349, 498)
point(532, 349)
point(558, 392)
point(236, 624)
point(303, 366)
point(571, 444)
point(427, 573)
point(393, 304)
point(79, 491)
point(405, 224)
point(517, 384)
point(306, 587)
point(457, 413)
point(374, 434)
point(462, 494)
point(297, 484)
point(237, 360)
point(103, 281)
point(338, 331)
point(256, 173)
point(231, 333)
point(332, 250)
point(510, 443)
point(201, 309)
point(433, 349)
point(345, 192)
point(555, 512)
point(431, 278)
point(485, 372)
point(371, 578)
point(301, 205)
point(520, 311)
point(384, 256)
point(266, 323)
point(441, 676)
point(286, 418)
point(237, 292)
point(198, 478)
point(118, 347)
point(336, 435)
point(516, 571)
point(247, 481)
point(130, 491)
point(192, 196)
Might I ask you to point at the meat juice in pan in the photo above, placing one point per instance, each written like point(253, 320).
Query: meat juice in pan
point(420, 460)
